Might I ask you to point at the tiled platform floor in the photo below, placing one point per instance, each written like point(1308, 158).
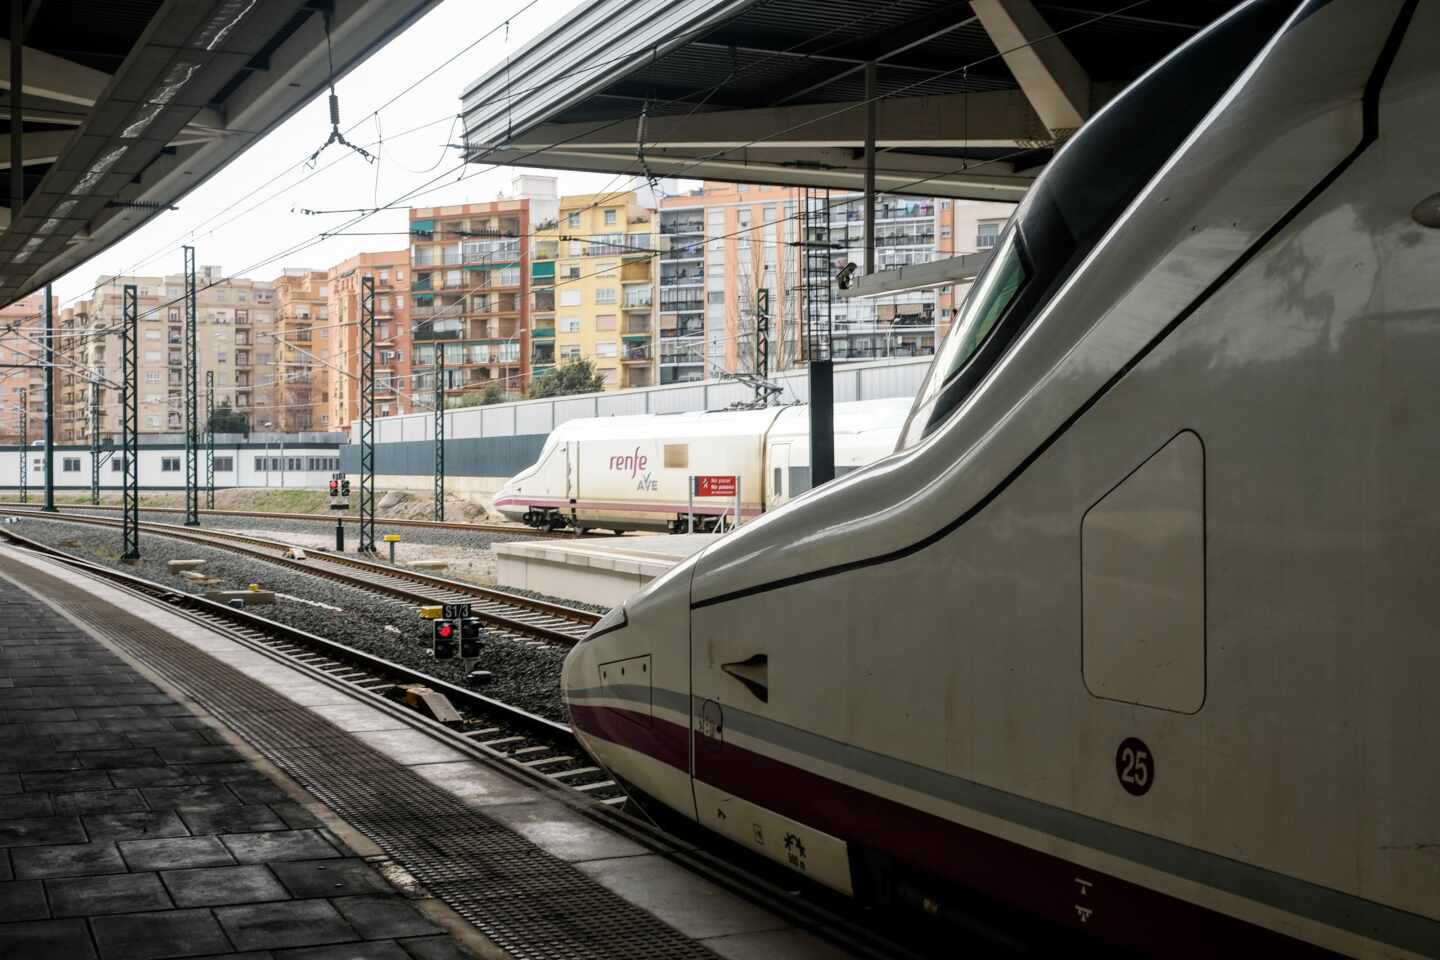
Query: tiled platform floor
point(130, 829)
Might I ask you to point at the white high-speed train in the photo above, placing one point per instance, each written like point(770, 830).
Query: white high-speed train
point(1137, 629)
point(633, 473)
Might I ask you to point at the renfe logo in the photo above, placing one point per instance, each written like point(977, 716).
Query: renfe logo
point(632, 462)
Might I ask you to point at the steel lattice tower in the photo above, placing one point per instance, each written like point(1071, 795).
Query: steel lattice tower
point(762, 338)
point(819, 266)
point(24, 446)
point(367, 414)
point(439, 431)
point(130, 423)
point(192, 424)
point(95, 443)
point(209, 439)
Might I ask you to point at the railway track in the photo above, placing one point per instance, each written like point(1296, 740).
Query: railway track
point(511, 528)
point(542, 747)
point(512, 615)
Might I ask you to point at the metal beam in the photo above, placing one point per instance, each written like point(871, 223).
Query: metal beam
point(49, 400)
point(16, 73)
point(367, 414)
point(439, 431)
point(52, 77)
point(918, 276)
point(192, 426)
point(24, 446)
point(209, 439)
point(130, 424)
point(95, 444)
point(1052, 79)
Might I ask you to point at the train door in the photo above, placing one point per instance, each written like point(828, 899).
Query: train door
point(777, 478)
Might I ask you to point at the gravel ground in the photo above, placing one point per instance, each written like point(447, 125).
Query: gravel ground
point(525, 676)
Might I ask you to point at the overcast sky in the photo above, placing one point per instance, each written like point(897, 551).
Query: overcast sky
point(275, 165)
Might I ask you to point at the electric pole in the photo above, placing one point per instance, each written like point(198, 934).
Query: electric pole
point(367, 414)
point(24, 446)
point(130, 424)
point(95, 444)
point(49, 401)
point(209, 439)
point(439, 431)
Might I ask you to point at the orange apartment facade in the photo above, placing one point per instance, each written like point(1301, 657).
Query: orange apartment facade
point(393, 344)
point(22, 389)
point(303, 335)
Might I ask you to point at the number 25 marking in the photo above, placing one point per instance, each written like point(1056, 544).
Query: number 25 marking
point(1135, 766)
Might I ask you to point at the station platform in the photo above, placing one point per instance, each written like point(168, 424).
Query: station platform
point(169, 790)
point(600, 571)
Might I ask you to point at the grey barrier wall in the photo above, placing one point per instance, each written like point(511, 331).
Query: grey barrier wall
point(470, 457)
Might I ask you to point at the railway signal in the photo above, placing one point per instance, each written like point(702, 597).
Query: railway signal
point(339, 500)
point(470, 638)
point(444, 639)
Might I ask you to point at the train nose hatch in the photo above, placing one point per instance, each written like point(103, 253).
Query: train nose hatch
point(753, 673)
point(629, 680)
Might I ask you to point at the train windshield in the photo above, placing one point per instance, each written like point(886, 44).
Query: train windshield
point(993, 293)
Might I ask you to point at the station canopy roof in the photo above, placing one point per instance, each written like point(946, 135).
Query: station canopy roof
point(127, 105)
point(975, 96)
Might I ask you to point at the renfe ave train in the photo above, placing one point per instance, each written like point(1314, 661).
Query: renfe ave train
point(1137, 630)
point(633, 473)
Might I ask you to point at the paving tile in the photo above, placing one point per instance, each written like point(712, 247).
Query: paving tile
point(21, 805)
point(14, 762)
point(4, 864)
point(372, 950)
point(138, 724)
point(53, 715)
point(66, 860)
point(23, 833)
point(90, 741)
point(141, 824)
point(111, 759)
point(259, 792)
point(167, 738)
point(219, 886)
point(188, 722)
point(148, 936)
point(175, 854)
point(169, 710)
point(205, 754)
point(67, 780)
point(376, 918)
point(355, 717)
point(22, 900)
point(46, 940)
point(248, 818)
point(13, 731)
point(9, 783)
point(475, 783)
point(196, 795)
point(240, 771)
point(106, 713)
point(791, 944)
point(150, 777)
point(100, 801)
point(296, 923)
point(279, 845)
point(330, 878)
point(434, 948)
point(67, 727)
point(295, 815)
point(680, 898)
point(93, 896)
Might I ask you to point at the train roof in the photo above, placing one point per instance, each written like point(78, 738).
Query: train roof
point(852, 417)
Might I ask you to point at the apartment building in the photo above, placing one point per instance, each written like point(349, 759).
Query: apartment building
point(729, 241)
point(340, 355)
point(236, 320)
point(603, 294)
point(470, 292)
point(299, 387)
point(22, 339)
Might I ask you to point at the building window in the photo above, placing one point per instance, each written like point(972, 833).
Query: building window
point(569, 298)
point(117, 463)
point(153, 422)
point(605, 321)
point(986, 234)
point(224, 464)
point(568, 325)
point(573, 219)
point(259, 464)
point(610, 217)
point(70, 465)
point(152, 376)
point(606, 349)
point(169, 464)
point(605, 295)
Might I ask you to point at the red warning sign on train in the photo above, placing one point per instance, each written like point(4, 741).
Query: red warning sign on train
point(715, 486)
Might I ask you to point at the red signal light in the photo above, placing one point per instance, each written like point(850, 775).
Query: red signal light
point(334, 488)
point(445, 630)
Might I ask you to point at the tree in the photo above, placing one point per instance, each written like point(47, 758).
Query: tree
point(493, 393)
point(225, 420)
point(575, 376)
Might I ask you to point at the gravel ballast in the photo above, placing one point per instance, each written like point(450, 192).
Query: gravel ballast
point(525, 676)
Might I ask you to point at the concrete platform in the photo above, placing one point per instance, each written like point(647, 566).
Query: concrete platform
point(598, 571)
point(231, 855)
point(131, 826)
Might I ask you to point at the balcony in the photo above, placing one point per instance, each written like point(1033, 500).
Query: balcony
point(639, 352)
point(543, 333)
point(673, 227)
point(693, 329)
point(635, 326)
point(683, 278)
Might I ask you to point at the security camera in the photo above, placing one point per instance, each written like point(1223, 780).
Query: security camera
point(846, 276)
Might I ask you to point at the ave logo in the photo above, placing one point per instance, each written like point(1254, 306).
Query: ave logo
point(648, 482)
